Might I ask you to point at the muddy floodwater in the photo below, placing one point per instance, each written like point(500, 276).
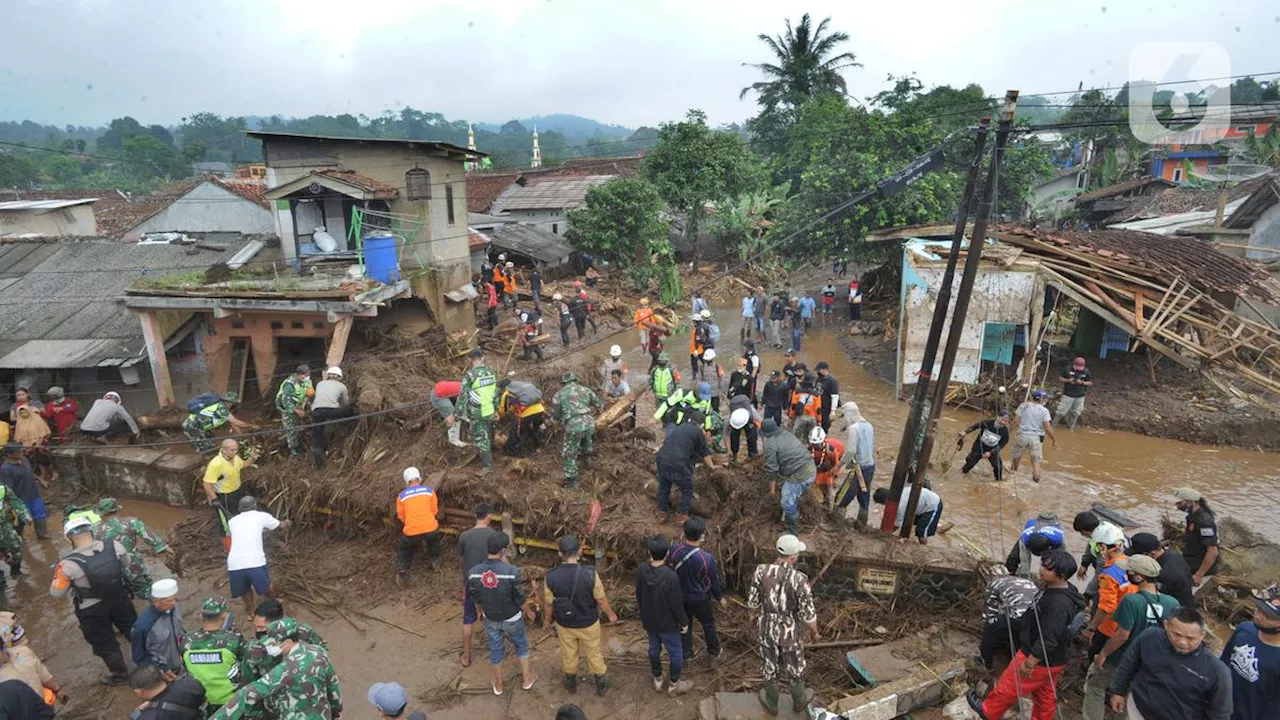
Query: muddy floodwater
point(1132, 473)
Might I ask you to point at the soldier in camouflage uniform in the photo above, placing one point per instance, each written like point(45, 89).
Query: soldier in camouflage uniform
point(779, 602)
point(13, 515)
point(477, 403)
point(573, 406)
point(291, 401)
point(129, 532)
point(257, 662)
point(199, 426)
point(303, 686)
point(214, 654)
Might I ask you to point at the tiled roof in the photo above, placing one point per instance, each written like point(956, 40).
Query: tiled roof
point(531, 240)
point(379, 189)
point(485, 187)
point(254, 191)
point(1179, 200)
point(1120, 189)
point(557, 193)
point(626, 167)
point(60, 299)
point(476, 240)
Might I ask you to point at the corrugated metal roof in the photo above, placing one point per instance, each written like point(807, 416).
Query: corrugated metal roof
point(59, 301)
point(535, 242)
point(550, 194)
point(43, 205)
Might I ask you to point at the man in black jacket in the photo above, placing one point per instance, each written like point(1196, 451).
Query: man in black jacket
point(498, 591)
point(993, 435)
point(1172, 675)
point(1043, 643)
point(775, 396)
point(1175, 575)
point(177, 700)
point(662, 614)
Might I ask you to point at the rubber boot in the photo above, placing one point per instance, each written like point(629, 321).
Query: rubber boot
point(798, 697)
point(15, 567)
point(585, 462)
point(42, 529)
point(861, 522)
point(571, 682)
point(768, 697)
point(317, 458)
point(602, 684)
point(486, 463)
point(793, 524)
point(571, 483)
point(455, 435)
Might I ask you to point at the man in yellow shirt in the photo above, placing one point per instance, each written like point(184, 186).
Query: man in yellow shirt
point(222, 485)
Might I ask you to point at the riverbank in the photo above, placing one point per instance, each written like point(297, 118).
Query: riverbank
point(1180, 405)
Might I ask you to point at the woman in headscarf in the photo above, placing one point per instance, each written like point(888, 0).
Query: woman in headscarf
point(33, 432)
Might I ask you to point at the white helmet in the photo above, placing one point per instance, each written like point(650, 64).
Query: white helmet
point(615, 351)
point(502, 256)
point(557, 296)
point(510, 264)
point(76, 526)
point(410, 474)
point(706, 314)
point(709, 354)
point(739, 418)
point(817, 436)
point(334, 371)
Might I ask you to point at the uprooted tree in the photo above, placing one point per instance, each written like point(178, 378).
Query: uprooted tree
point(621, 223)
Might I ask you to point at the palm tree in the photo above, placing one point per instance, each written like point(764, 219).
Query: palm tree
point(802, 70)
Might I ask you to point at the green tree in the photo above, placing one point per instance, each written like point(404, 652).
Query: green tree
point(621, 223)
point(17, 170)
point(804, 66)
point(742, 225)
point(1264, 150)
point(120, 130)
point(693, 166)
point(150, 159)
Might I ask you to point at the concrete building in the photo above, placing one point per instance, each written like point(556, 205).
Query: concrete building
point(208, 205)
point(1053, 198)
point(48, 218)
point(349, 187)
point(545, 203)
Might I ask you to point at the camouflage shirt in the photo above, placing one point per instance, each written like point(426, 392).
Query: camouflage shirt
point(303, 686)
point(572, 406)
point(257, 663)
point(780, 593)
point(129, 531)
point(292, 393)
point(216, 639)
point(13, 510)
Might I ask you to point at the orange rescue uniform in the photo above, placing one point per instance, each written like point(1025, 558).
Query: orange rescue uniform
point(417, 507)
point(827, 459)
point(804, 402)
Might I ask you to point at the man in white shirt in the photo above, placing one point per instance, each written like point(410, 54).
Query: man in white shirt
point(928, 511)
point(1033, 421)
point(247, 561)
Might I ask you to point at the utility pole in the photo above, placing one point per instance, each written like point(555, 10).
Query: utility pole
point(972, 260)
point(909, 446)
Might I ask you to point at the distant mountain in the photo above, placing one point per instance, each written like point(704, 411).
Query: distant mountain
point(575, 128)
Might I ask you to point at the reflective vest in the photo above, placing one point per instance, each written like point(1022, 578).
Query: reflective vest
point(676, 402)
point(484, 391)
point(210, 417)
point(298, 389)
point(704, 406)
point(217, 669)
point(663, 380)
point(94, 517)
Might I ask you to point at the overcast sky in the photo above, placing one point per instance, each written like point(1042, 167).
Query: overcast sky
point(631, 62)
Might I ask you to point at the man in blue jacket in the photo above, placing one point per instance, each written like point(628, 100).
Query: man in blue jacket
point(157, 636)
point(700, 586)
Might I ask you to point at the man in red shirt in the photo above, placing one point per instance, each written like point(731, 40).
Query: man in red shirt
point(416, 507)
point(61, 412)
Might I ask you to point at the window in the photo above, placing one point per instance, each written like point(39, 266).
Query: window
point(1177, 174)
point(1081, 178)
point(277, 325)
point(317, 325)
point(417, 184)
point(238, 323)
point(296, 324)
point(448, 202)
point(555, 229)
point(1245, 129)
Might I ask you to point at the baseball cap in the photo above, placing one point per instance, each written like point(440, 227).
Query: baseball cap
point(789, 352)
point(1143, 543)
point(1003, 414)
point(303, 368)
point(215, 606)
point(1039, 393)
point(1188, 494)
point(1144, 565)
point(1107, 534)
point(388, 697)
point(1268, 601)
point(162, 589)
point(789, 545)
point(569, 544)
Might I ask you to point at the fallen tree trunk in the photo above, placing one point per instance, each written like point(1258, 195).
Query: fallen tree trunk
point(618, 410)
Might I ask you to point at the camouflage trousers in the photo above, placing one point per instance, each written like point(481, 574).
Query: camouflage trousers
point(10, 542)
point(197, 436)
point(576, 443)
point(482, 434)
point(783, 658)
point(289, 422)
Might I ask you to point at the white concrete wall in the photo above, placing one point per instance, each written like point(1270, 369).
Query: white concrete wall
point(77, 220)
point(208, 208)
point(1264, 234)
point(549, 220)
point(1053, 199)
point(999, 296)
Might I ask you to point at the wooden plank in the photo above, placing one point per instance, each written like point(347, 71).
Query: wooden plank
point(1106, 299)
point(1233, 346)
point(1138, 297)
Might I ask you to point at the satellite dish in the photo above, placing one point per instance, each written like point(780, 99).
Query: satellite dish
point(315, 188)
point(1232, 172)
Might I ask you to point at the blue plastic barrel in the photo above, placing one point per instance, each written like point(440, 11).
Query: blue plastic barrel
point(380, 259)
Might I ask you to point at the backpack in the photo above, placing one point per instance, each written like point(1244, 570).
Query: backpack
point(713, 332)
point(202, 401)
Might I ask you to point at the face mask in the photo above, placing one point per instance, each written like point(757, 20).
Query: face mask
point(1269, 631)
point(259, 634)
point(273, 649)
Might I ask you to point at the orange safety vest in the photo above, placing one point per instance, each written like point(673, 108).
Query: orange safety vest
point(694, 347)
point(499, 277)
point(831, 452)
point(806, 403)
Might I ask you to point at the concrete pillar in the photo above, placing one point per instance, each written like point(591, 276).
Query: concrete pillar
point(154, 339)
point(338, 343)
point(263, 345)
point(217, 355)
